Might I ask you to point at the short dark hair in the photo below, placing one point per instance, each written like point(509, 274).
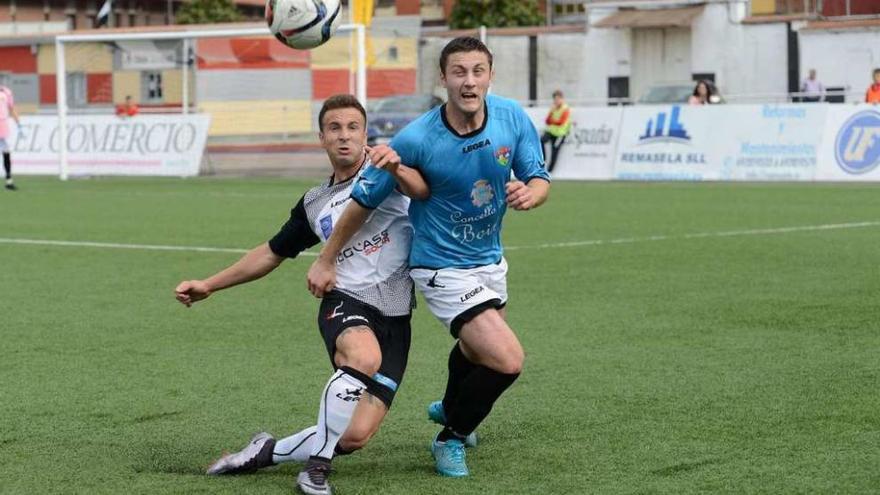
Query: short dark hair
point(336, 102)
point(558, 93)
point(877, 71)
point(463, 44)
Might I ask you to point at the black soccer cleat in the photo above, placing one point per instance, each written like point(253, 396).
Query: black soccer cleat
point(312, 480)
point(11, 187)
point(256, 455)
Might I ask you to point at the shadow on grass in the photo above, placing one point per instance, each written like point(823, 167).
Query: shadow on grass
point(685, 467)
point(154, 417)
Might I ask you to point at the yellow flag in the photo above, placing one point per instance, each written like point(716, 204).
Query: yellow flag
point(362, 13)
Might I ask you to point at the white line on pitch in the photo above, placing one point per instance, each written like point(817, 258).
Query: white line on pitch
point(597, 242)
point(702, 235)
point(112, 245)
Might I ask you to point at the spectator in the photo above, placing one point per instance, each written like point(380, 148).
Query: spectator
point(704, 93)
point(873, 93)
point(558, 125)
point(129, 109)
point(7, 110)
point(812, 90)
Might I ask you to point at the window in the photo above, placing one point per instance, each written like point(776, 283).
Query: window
point(151, 87)
point(76, 89)
point(618, 89)
point(567, 11)
point(569, 8)
point(703, 76)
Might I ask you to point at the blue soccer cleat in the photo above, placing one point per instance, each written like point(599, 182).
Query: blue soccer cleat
point(438, 415)
point(449, 457)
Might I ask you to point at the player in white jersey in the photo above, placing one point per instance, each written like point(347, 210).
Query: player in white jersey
point(365, 321)
point(466, 150)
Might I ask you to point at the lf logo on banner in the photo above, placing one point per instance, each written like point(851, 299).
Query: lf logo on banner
point(658, 129)
point(857, 148)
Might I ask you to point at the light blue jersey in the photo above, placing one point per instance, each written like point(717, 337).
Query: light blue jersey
point(459, 225)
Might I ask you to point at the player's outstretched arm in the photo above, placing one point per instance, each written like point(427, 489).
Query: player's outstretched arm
point(409, 179)
point(412, 183)
point(255, 264)
point(322, 274)
point(522, 196)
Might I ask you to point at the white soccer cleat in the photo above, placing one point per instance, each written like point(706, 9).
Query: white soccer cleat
point(255, 455)
point(312, 480)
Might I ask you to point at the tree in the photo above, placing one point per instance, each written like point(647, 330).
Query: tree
point(469, 14)
point(207, 12)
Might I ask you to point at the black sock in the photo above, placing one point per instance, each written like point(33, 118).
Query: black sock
point(337, 451)
point(476, 396)
point(459, 369)
point(7, 165)
point(447, 433)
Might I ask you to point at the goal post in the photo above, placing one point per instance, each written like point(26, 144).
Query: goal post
point(357, 67)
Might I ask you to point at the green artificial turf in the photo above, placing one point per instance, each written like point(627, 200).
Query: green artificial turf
point(697, 348)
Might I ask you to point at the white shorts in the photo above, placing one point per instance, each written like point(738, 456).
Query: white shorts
point(3, 146)
point(456, 295)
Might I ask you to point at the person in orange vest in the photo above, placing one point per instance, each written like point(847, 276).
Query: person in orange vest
point(130, 109)
point(558, 126)
point(873, 93)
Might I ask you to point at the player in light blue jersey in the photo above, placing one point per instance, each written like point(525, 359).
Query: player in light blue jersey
point(459, 225)
point(466, 151)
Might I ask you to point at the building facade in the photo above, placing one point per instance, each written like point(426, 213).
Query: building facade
point(41, 16)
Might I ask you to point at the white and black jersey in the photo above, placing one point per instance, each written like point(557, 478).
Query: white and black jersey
point(373, 267)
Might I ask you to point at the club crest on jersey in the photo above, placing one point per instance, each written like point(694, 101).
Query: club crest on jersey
point(326, 226)
point(482, 193)
point(502, 155)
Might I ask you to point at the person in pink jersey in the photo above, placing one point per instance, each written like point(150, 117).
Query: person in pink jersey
point(7, 110)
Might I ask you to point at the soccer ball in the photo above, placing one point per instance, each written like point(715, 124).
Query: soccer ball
point(303, 24)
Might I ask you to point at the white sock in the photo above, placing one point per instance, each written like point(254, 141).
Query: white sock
point(338, 401)
point(295, 448)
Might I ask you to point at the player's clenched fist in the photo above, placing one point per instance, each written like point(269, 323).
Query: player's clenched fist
point(190, 291)
point(321, 277)
point(384, 157)
point(519, 195)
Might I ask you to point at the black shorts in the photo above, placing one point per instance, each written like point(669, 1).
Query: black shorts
point(340, 311)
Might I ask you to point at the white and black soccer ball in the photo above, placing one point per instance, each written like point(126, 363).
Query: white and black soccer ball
point(303, 24)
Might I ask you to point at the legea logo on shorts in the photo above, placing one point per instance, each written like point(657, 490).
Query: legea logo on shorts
point(857, 148)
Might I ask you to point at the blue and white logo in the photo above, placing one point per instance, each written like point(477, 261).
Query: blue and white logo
point(326, 226)
point(659, 130)
point(857, 148)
